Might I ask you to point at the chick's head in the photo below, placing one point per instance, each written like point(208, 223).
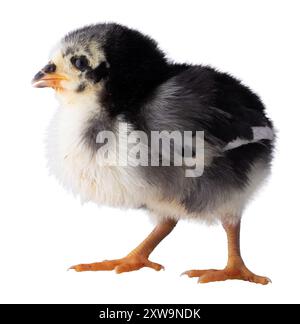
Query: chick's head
point(76, 65)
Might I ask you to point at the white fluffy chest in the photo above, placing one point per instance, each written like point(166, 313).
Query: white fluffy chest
point(77, 167)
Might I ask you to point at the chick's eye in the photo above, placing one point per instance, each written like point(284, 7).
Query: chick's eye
point(81, 63)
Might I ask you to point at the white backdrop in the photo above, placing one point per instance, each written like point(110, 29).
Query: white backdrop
point(44, 230)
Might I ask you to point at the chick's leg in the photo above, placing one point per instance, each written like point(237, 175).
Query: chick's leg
point(235, 268)
point(136, 259)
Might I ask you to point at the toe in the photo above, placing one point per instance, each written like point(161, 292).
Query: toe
point(259, 279)
point(211, 276)
point(247, 275)
point(80, 267)
point(97, 266)
point(196, 273)
point(155, 266)
point(127, 267)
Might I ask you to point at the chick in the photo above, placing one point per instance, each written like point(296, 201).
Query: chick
point(106, 76)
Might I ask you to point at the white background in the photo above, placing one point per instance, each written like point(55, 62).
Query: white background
point(44, 230)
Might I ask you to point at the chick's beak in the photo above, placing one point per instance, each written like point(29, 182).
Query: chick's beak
point(47, 77)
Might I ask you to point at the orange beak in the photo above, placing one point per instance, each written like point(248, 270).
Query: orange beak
point(45, 79)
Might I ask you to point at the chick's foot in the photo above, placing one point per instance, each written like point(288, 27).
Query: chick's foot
point(129, 263)
point(242, 273)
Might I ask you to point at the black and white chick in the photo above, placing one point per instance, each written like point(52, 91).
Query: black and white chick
point(106, 76)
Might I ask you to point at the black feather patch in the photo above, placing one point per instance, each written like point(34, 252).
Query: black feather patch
point(99, 73)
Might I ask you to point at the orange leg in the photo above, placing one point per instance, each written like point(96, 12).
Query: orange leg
point(136, 259)
point(235, 268)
